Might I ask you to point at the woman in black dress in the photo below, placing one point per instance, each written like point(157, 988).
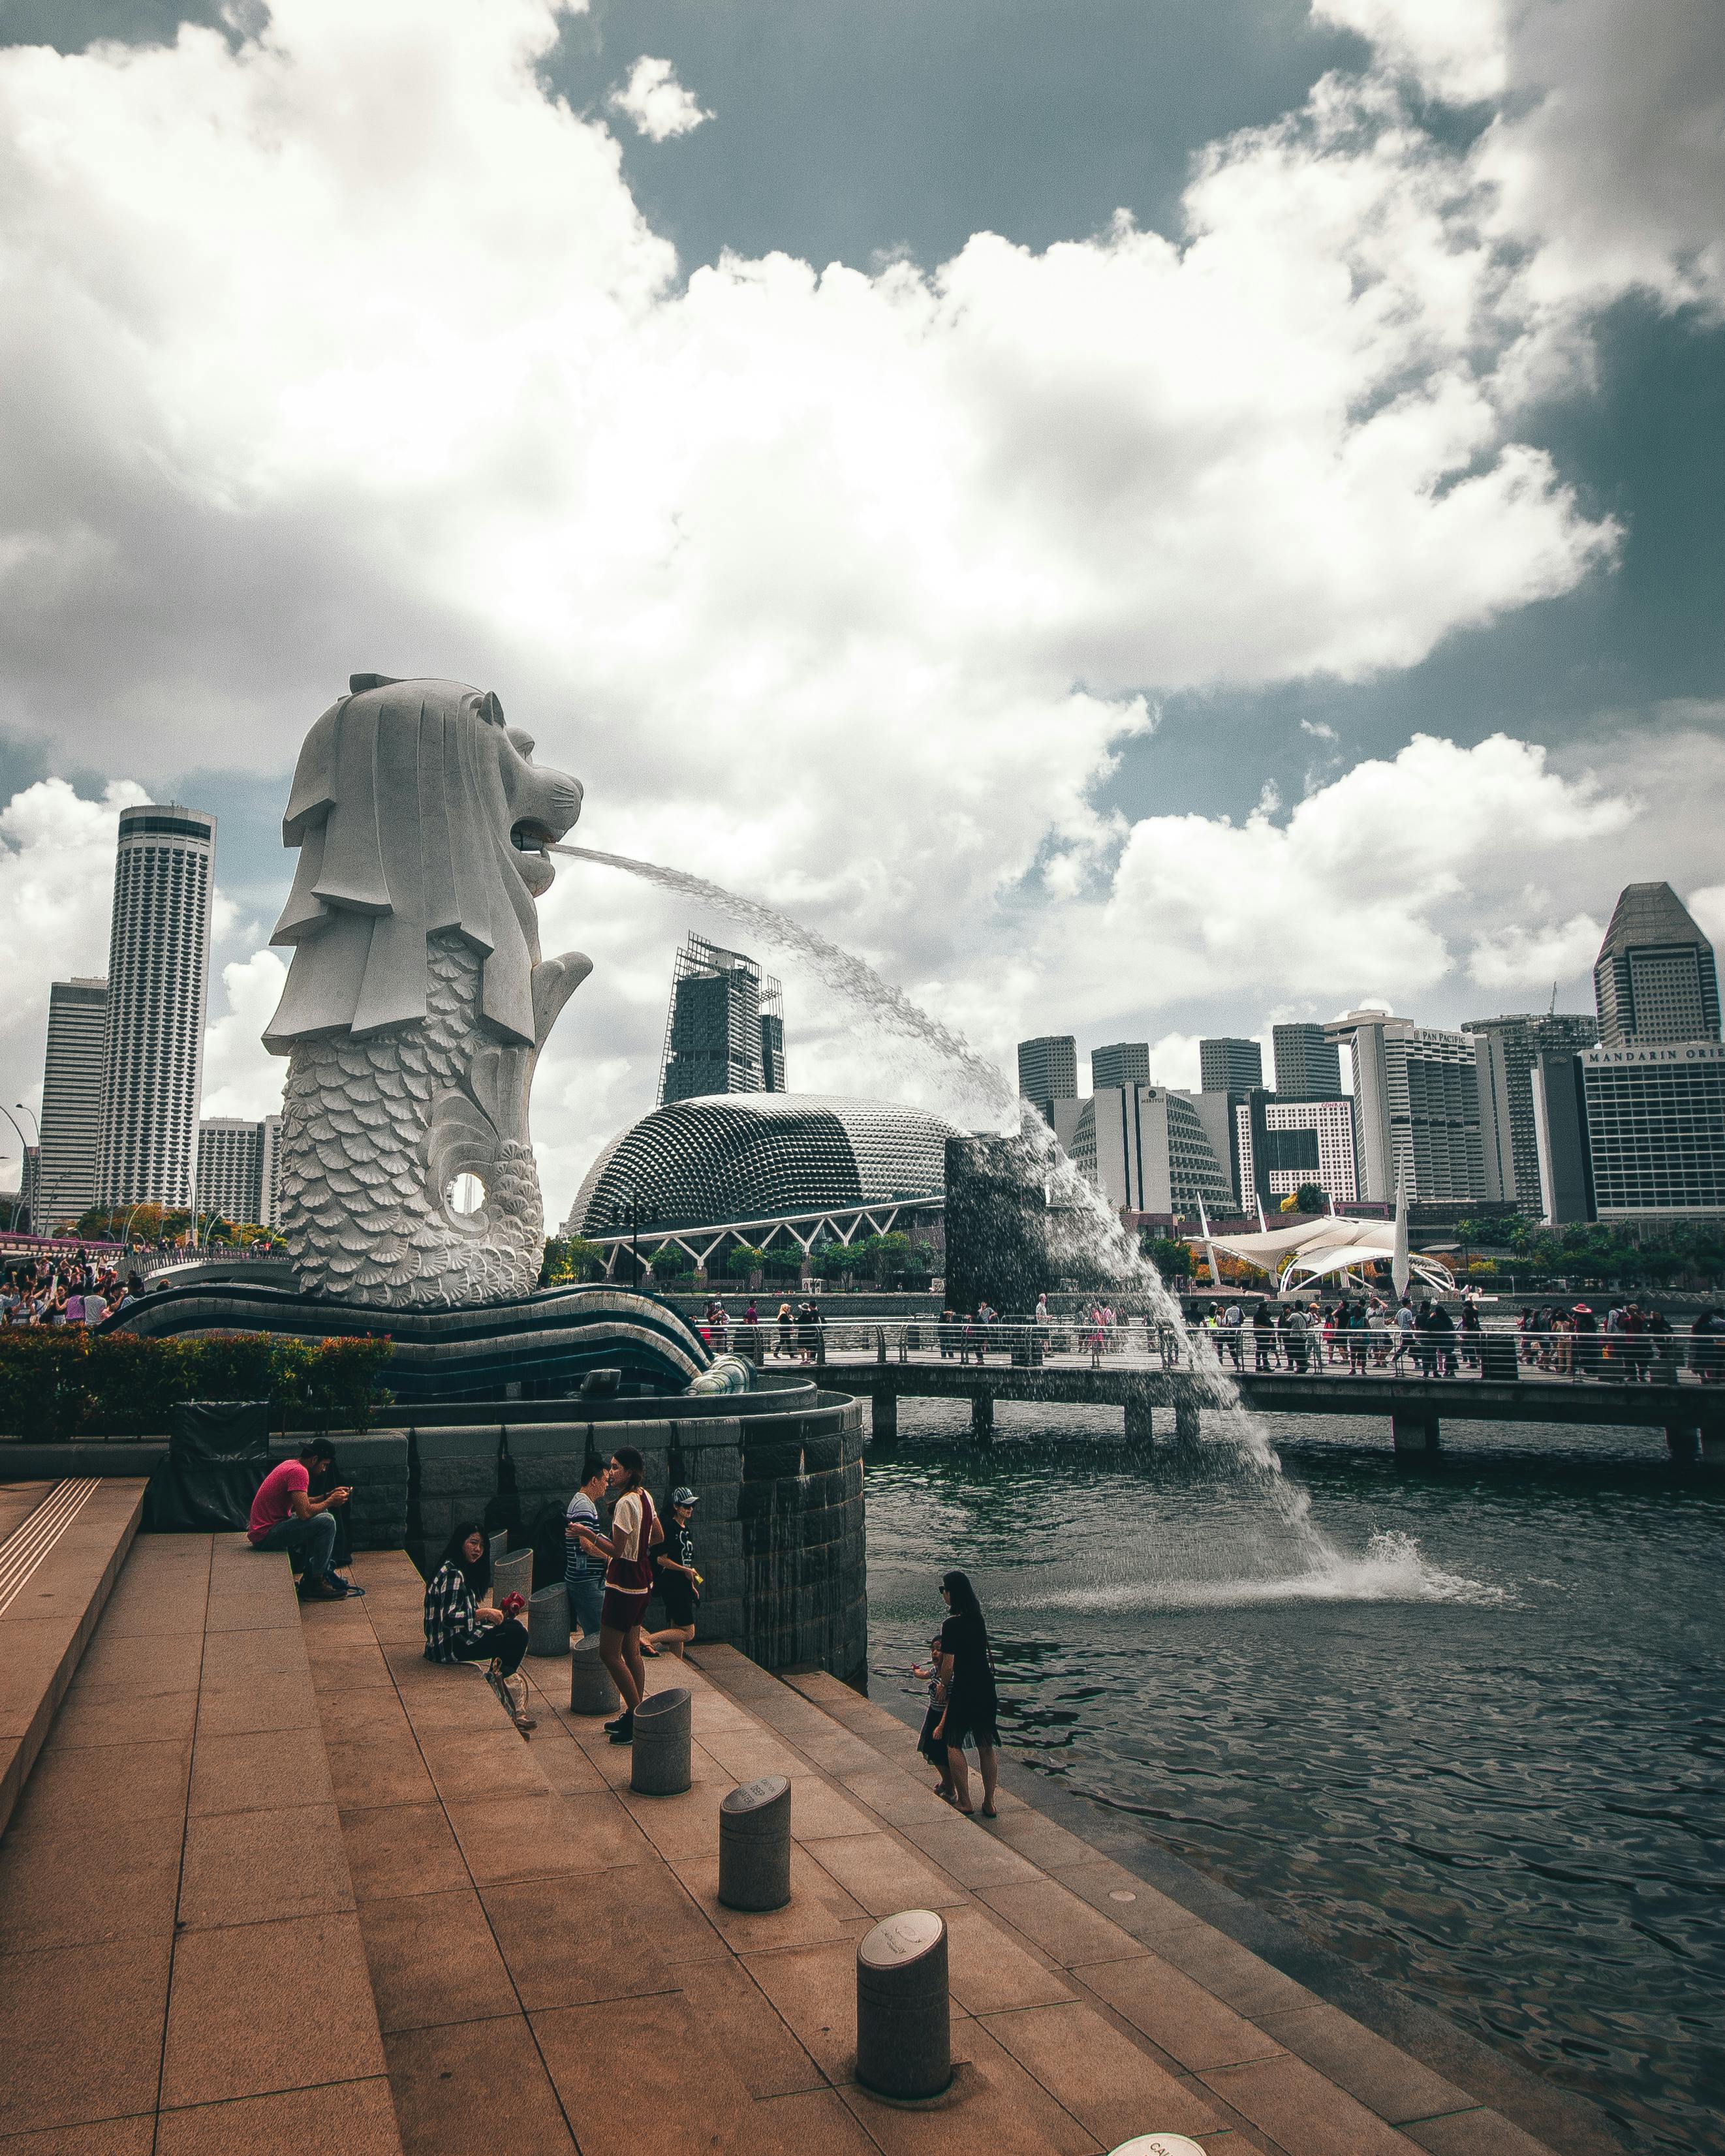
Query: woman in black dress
point(967, 1672)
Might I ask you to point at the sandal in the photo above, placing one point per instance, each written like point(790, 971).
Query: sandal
point(989, 1812)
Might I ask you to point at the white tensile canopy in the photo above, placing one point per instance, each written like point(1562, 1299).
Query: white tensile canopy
point(1318, 1249)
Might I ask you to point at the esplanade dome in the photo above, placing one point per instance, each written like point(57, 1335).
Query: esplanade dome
point(726, 1157)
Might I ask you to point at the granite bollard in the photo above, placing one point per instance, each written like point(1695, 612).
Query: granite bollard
point(497, 1547)
point(904, 2026)
point(511, 1575)
point(591, 1690)
point(664, 1728)
point(548, 1621)
point(755, 1845)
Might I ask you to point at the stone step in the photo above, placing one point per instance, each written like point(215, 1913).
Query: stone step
point(524, 1911)
point(65, 1541)
point(180, 1965)
point(1301, 2074)
point(286, 1884)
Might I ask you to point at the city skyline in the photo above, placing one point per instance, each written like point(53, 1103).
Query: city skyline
point(857, 567)
point(1506, 1138)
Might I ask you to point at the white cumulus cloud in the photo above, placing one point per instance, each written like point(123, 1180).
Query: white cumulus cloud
point(1367, 883)
point(343, 345)
point(1457, 49)
point(1518, 956)
point(656, 102)
point(238, 1078)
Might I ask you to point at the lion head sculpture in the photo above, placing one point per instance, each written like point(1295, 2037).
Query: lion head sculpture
point(417, 812)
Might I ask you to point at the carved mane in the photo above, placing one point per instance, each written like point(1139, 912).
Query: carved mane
point(403, 801)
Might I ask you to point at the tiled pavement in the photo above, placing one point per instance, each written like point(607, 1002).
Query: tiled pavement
point(180, 1964)
point(277, 1882)
point(551, 1968)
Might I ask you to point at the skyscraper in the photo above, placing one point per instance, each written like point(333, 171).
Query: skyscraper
point(1416, 1109)
point(1280, 1144)
point(1308, 1067)
point(724, 1030)
point(1048, 1071)
point(1655, 978)
point(1229, 1066)
point(1126, 1063)
point(239, 1169)
point(1632, 1133)
point(1146, 1150)
point(1508, 1048)
point(158, 978)
point(72, 1098)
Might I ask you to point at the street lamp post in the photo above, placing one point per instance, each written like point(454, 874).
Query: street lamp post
point(24, 1159)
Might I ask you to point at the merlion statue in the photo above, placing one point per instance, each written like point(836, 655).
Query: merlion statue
point(417, 1002)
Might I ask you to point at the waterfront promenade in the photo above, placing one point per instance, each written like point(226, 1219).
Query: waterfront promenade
point(275, 1882)
point(1163, 1391)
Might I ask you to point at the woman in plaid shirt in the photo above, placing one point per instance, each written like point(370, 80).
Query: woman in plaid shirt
point(461, 1628)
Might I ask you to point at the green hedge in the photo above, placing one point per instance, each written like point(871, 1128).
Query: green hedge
point(67, 1383)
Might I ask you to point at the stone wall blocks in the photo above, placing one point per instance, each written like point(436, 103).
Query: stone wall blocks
point(702, 1433)
point(770, 1462)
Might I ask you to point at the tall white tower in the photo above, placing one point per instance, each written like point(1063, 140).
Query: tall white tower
point(158, 978)
point(71, 1122)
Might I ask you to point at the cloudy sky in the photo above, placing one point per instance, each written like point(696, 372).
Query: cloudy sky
point(1143, 517)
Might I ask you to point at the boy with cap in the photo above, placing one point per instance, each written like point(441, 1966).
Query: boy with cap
point(673, 1574)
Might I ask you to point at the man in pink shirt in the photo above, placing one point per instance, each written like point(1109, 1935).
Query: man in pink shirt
point(285, 1516)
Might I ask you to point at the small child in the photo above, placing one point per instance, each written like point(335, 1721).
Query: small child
point(934, 1750)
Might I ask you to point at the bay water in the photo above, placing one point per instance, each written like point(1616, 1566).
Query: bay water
point(1476, 1743)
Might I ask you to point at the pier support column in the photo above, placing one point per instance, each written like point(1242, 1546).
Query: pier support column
point(1188, 1429)
point(1414, 1432)
point(1140, 1426)
point(883, 1418)
point(1683, 1442)
point(982, 1418)
point(1712, 1444)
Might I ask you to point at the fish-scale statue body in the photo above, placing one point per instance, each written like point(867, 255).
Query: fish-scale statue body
point(417, 1002)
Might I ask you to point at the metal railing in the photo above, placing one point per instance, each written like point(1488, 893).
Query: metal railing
point(1497, 1350)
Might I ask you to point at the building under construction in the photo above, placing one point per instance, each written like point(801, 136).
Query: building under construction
point(725, 1030)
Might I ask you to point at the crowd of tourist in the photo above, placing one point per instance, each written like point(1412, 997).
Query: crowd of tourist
point(796, 1334)
point(613, 1567)
point(1635, 1342)
point(77, 1289)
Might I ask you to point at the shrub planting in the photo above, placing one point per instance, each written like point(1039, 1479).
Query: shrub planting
point(66, 1383)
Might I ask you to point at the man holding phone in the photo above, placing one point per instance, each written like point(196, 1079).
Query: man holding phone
point(285, 1516)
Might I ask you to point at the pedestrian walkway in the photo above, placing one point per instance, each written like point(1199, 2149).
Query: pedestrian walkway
point(277, 1884)
point(534, 1930)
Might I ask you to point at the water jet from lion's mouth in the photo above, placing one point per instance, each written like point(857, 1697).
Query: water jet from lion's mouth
point(1082, 1222)
point(985, 1091)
